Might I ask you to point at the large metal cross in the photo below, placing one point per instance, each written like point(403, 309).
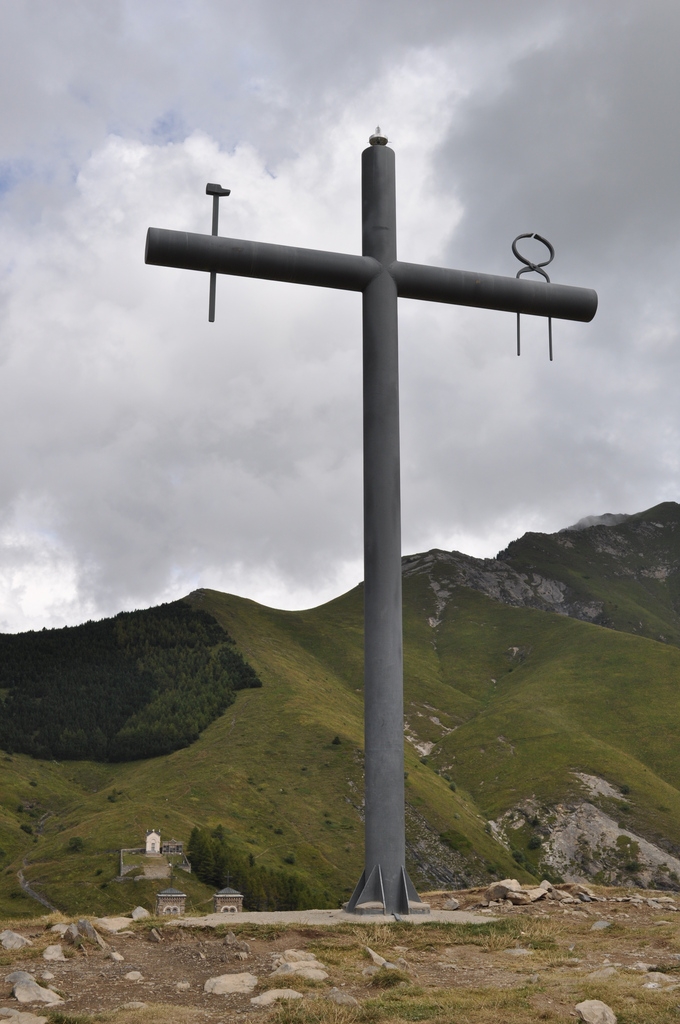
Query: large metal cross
point(382, 279)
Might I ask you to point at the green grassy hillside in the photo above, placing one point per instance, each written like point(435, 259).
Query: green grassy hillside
point(504, 704)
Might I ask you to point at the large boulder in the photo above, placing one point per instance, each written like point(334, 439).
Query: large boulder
point(228, 984)
point(500, 890)
point(594, 1011)
point(139, 913)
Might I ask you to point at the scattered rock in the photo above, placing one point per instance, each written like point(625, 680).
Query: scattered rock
point(336, 995)
point(12, 940)
point(449, 905)
point(183, 986)
point(292, 956)
point(17, 1017)
point(600, 926)
point(640, 966)
point(53, 953)
point(657, 978)
point(311, 973)
point(243, 947)
point(500, 890)
point(138, 913)
point(155, 935)
point(15, 976)
point(118, 957)
point(375, 957)
point(59, 928)
point(72, 935)
point(134, 976)
point(226, 984)
point(31, 992)
point(519, 898)
point(47, 976)
point(241, 956)
point(594, 1011)
point(87, 931)
point(109, 924)
point(273, 995)
point(369, 971)
point(602, 974)
point(536, 893)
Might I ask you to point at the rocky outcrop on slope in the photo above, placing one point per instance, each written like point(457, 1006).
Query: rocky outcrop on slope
point(499, 581)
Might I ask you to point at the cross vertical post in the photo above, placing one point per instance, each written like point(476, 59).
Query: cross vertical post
point(384, 887)
point(382, 882)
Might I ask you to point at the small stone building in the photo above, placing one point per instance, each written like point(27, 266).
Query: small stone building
point(170, 901)
point(228, 901)
point(173, 846)
point(153, 841)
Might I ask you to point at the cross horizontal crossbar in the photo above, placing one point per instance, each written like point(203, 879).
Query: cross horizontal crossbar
point(215, 254)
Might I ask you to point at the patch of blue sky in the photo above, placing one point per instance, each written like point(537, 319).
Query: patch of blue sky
point(13, 173)
point(169, 127)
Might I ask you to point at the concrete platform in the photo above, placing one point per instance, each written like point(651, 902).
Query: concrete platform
point(325, 917)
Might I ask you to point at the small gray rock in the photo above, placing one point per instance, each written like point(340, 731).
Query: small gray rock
point(53, 953)
point(134, 976)
point(226, 984)
point(118, 957)
point(594, 1011)
point(31, 992)
point(155, 936)
point(16, 976)
point(451, 905)
point(273, 995)
point(603, 974)
point(600, 926)
point(12, 940)
point(336, 995)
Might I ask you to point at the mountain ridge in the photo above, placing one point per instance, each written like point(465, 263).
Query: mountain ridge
point(507, 708)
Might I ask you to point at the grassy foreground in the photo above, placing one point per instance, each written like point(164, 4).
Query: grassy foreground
point(523, 965)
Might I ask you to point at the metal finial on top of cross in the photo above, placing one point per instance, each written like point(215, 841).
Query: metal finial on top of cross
point(382, 279)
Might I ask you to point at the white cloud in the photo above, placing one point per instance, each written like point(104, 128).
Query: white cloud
point(150, 452)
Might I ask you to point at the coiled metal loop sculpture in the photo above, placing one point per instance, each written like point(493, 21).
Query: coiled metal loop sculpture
point(534, 268)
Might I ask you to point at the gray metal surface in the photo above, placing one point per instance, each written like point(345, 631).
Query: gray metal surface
point(384, 885)
point(383, 661)
point(242, 258)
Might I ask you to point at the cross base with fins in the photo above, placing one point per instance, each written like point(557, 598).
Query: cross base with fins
point(369, 896)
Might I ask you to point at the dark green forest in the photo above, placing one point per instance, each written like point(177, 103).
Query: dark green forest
point(138, 685)
point(216, 863)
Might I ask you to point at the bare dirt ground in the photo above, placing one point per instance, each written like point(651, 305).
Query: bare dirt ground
point(520, 964)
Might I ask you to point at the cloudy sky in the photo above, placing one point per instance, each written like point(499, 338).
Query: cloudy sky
point(146, 452)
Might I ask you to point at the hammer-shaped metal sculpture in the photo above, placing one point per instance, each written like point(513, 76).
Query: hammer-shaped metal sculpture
point(384, 886)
